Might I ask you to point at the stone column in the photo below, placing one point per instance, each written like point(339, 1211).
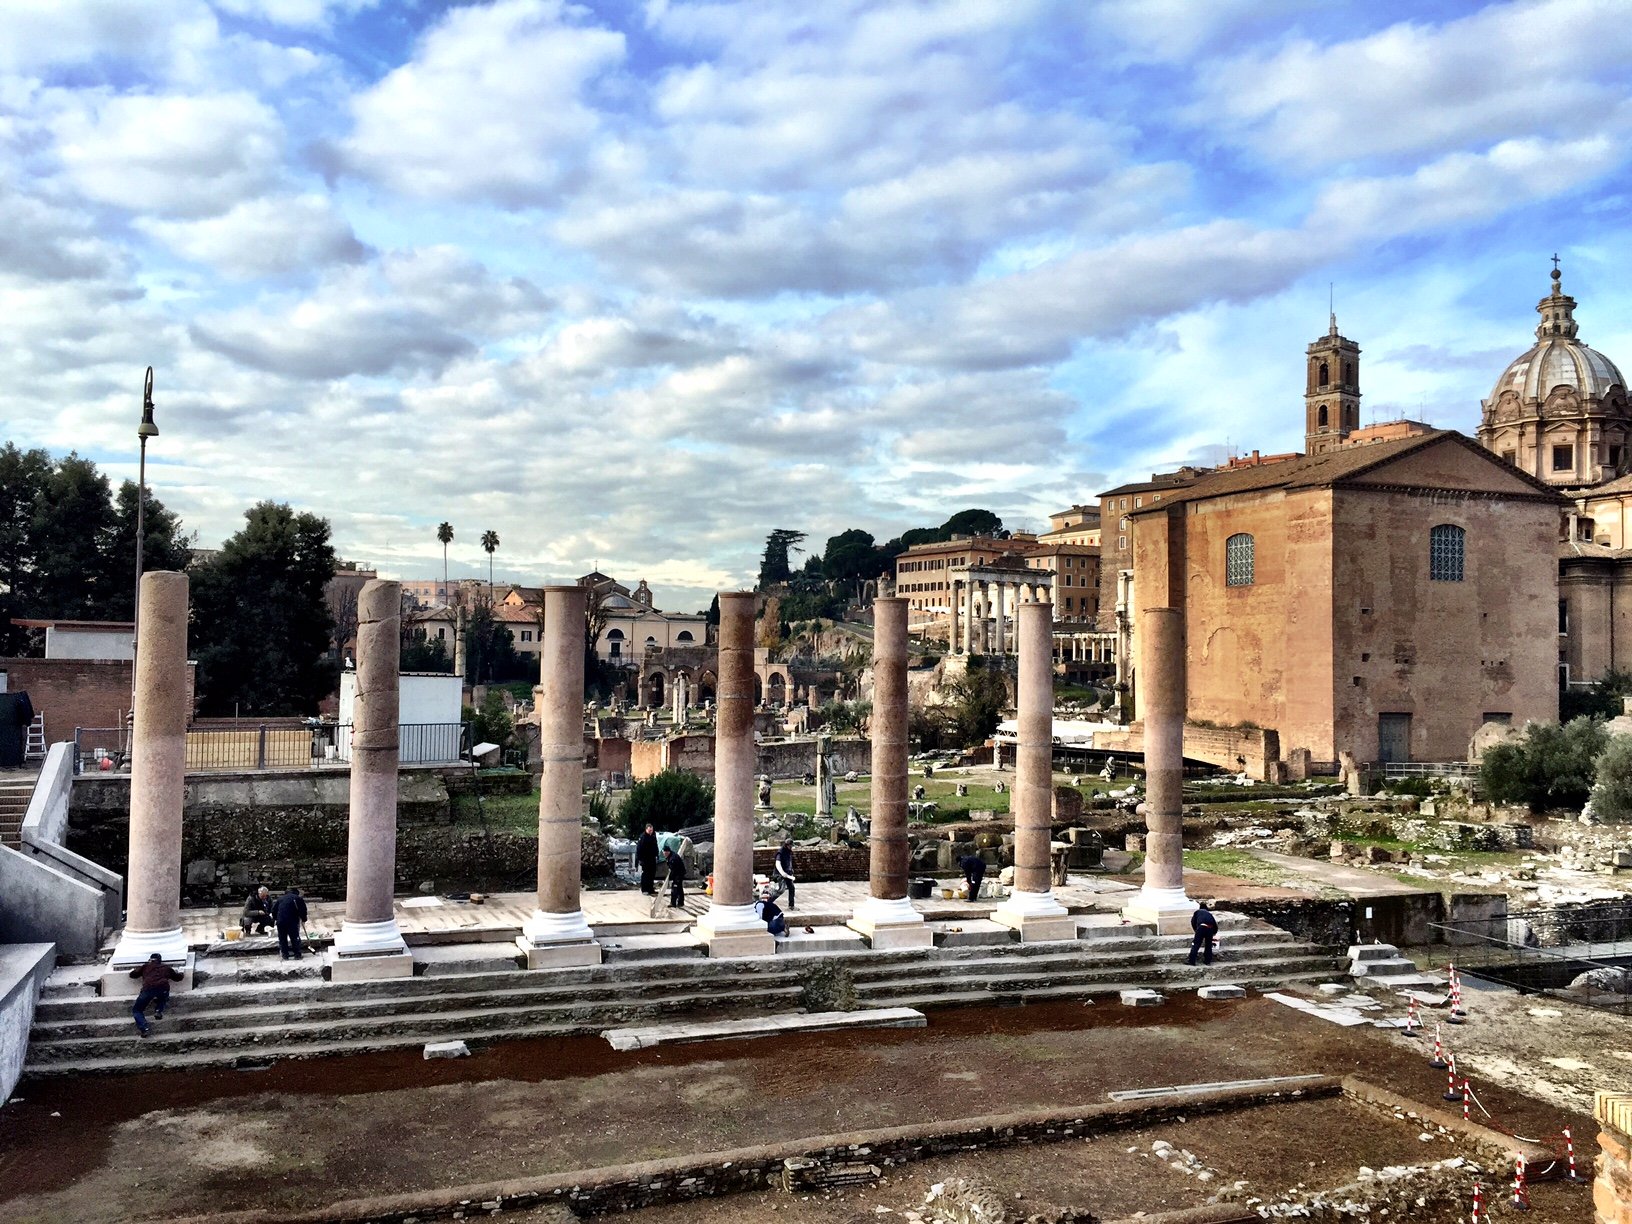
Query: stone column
point(952, 617)
point(1031, 908)
point(557, 934)
point(158, 781)
point(824, 779)
point(887, 918)
point(730, 927)
point(681, 700)
point(459, 642)
point(1162, 701)
point(368, 943)
point(969, 614)
point(1002, 632)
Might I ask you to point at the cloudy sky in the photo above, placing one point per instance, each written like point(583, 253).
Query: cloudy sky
point(634, 283)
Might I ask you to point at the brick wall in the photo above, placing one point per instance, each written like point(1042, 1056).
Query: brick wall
point(75, 692)
point(1612, 1191)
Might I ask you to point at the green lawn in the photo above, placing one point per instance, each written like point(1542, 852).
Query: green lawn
point(1238, 864)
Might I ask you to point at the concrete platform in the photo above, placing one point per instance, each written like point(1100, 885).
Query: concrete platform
point(824, 940)
point(726, 944)
point(559, 956)
point(763, 1026)
point(369, 968)
point(1043, 928)
point(975, 933)
point(1111, 926)
point(443, 960)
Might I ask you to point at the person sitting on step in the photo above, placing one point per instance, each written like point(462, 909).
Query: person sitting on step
point(257, 912)
point(776, 922)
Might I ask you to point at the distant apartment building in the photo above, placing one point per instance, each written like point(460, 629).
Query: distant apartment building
point(1116, 537)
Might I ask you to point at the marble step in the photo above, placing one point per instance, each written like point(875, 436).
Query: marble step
point(1088, 976)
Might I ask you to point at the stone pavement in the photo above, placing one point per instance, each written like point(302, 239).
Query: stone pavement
point(424, 920)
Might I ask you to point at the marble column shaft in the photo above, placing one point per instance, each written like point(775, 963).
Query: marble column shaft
point(561, 747)
point(887, 842)
point(969, 616)
point(1162, 694)
point(1002, 629)
point(158, 774)
point(371, 832)
point(734, 754)
point(952, 617)
point(1033, 801)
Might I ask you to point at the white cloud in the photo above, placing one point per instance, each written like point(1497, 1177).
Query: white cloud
point(263, 236)
point(1506, 72)
point(181, 155)
point(42, 33)
point(490, 106)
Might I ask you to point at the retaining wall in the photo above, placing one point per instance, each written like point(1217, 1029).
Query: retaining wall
point(23, 970)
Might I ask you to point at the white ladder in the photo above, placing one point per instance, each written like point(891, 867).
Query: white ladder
point(35, 749)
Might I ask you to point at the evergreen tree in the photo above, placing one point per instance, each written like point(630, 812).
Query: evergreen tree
point(22, 476)
point(261, 624)
point(165, 546)
point(774, 567)
point(73, 527)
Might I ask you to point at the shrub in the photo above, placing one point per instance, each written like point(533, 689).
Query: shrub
point(599, 812)
point(492, 723)
point(1552, 766)
point(1612, 792)
point(670, 800)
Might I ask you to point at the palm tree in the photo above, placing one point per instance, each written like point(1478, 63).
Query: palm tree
point(490, 542)
point(444, 534)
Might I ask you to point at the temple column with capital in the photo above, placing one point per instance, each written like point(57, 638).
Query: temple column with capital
point(557, 934)
point(969, 614)
point(158, 783)
point(1162, 698)
point(730, 927)
point(1031, 907)
point(887, 918)
point(369, 943)
point(1002, 633)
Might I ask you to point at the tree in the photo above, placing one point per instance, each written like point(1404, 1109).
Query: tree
point(490, 649)
point(165, 546)
point(1603, 700)
point(774, 567)
point(492, 723)
point(444, 536)
point(423, 653)
point(1552, 766)
point(977, 706)
point(490, 544)
point(1612, 792)
point(850, 557)
point(971, 522)
point(261, 626)
point(72, 525)
point(712, 616)
point(22, 476)
point(669, 800)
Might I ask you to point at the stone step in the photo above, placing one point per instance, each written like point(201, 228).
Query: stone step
point(622, 949)
point(775, 1025)
point(1056, 994)
point(1393, 967)
point(1372, 952)
point(251, 1033)
point(975, 933)
point(1058, 956)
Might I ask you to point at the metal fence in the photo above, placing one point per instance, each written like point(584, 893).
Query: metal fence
point(1428, 769)
point(1543, 951)
point(236, 749)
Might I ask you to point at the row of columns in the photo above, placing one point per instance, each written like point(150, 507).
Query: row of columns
point(994, 603)
point(369, 943)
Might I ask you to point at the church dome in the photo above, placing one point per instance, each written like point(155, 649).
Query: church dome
point(1558, 359)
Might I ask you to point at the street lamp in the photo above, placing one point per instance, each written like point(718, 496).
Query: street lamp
point(147, 429)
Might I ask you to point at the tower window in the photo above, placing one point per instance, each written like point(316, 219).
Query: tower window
point(1615, 457)
point(1325, 374)
point(1239, 560)
point(1446, 544)
point(1348, 372)
point(1322, 418)
point(1563, 458)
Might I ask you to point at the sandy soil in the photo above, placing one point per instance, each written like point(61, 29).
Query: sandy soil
point(304, 1133)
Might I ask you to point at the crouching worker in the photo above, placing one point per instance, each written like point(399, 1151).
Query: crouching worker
point(257, 912)
point(156, 978)
point(776, 922)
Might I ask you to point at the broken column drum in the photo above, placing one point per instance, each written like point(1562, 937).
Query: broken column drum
point(1031, 907)
point(887, 918)
point(1162, 694)
point(158, 778)
point(370, 928)
point(730, 927)
point(557, 934)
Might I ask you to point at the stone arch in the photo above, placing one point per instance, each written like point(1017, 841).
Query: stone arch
point(778, 689)
point(759, 690)
point(684, 636)
point(615, 643)
point(706, 686)
point(657, 688)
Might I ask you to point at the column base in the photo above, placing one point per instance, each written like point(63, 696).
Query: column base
point(368, 966)
point(1168, 908)
point(891, 925)
point(369, 939)
point(134, 947)
point(558, 941)
point(116, 983)
point(733, 930)
point(1037, 916)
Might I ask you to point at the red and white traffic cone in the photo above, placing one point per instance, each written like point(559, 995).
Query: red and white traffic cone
point(1467, 1102)
point(1437, 1062)
point(1412, 1021)
point(1478, 1204)
point(1451, 1091)
point(1458, 1012)
point(1521, 1192)
point(1569, 1155)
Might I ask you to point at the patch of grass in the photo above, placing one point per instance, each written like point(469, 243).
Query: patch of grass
point(511, 813)
point(1235, 863)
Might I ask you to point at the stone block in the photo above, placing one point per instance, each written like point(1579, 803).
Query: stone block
point(739, 943)
point(369, 968)
point(1222, 991)
point(1135, 843)
point(446, 1049)
point(118, 984)
point(559, 956)
point(1142, 998)
point(1038, 928)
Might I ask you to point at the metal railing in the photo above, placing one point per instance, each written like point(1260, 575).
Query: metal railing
point(262, 747)
point(1543, 951)
point(1427, 769)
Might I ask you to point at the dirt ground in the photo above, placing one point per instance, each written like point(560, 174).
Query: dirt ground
point(301, 1134)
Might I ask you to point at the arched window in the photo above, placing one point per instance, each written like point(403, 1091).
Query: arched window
point(1348, 372)
point(614, 639)
point(1446, 545)
point(1238, 560)
point(1325, 374)
point(1323, 416)
point(683, 636)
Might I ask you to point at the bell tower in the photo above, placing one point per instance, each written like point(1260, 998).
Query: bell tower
point(1332, 397)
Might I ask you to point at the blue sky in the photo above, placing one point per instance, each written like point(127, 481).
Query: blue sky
point(634, 283)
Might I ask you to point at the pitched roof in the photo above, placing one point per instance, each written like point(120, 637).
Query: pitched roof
point(1332, 467)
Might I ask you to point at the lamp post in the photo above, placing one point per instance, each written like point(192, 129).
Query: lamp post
point(147, 429)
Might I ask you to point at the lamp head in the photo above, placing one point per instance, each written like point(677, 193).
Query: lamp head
point(147, 429)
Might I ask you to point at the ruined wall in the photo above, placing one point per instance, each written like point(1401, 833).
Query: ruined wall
point(1612, 1190)
point(1225, 747)
point(1598, 592)
point(777, 758)
point(1446, 653)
